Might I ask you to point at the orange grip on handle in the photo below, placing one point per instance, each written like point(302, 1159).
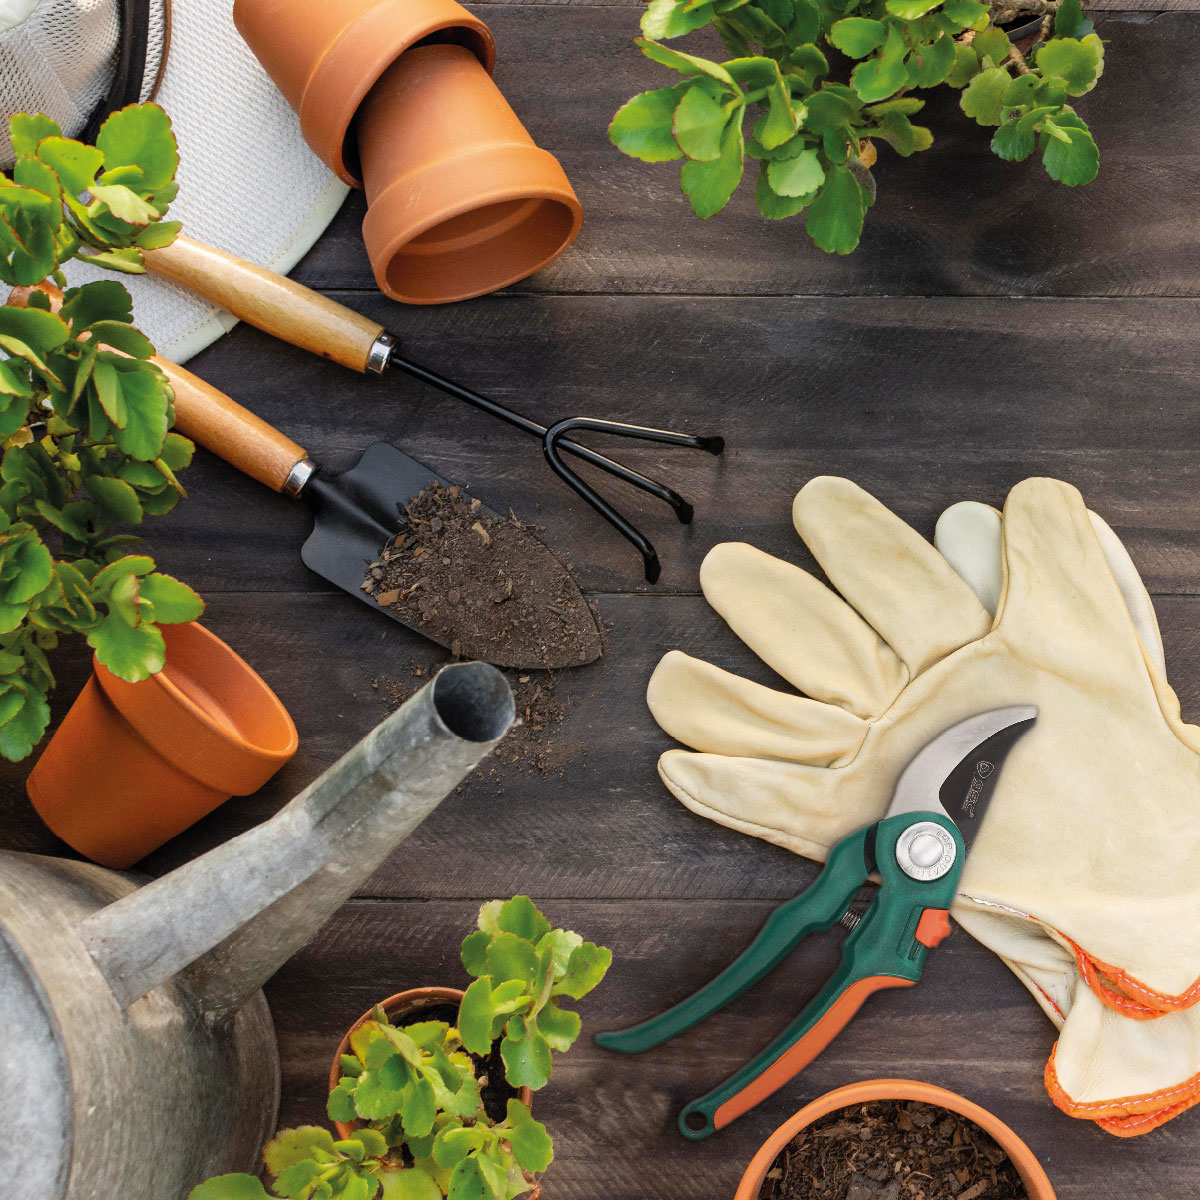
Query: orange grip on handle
point(806, 1049)
point(268, 301)
point(222, 425)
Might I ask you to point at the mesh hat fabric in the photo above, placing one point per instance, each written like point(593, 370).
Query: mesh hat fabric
point(248, 183)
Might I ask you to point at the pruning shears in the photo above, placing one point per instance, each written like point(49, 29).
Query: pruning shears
point(917, 849)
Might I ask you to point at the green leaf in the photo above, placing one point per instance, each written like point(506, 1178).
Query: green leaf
point(835, 217)
point(910, 10)
point(511, 957)
point(964, 13)
point(122, 337)
point(1077, 62)
point(132, 654)
point(140, 135)
point(903, 136)
point(1068, 18)
point(374, 1100)
point(856, 37)
point(937, 61)
point(798, 177)
point(291, 1146)
point(145, 402)
point(475, 1017)
point(966, 66)
point(828, 111)
point(699, 123)
point(74, 163)
point(230, 1187)
point(688, 64)
point(1072, 159)
point(559, 1026)
point(30, 172)
point(340, 1104)
point(983, 97)
point(589, 962)
point(527, 1062)
point(709, 185)
point(669, 19)
point(468, 1184)
point(25, 728)
point(880, 77)
point(419, 1109)
point(177, 451)
point(474, 952)
point(102, 300)
point(40, 331)
point(297, 1180)
point(125, 204)
point(109, 391)
point(116, 501)
point(531, 1144)
point(174, 602)
point(26, 130)
point(454, 1143)
point(1014, 143)
point(642, 127)
point(994, 44)
point(410, 1184)
point(128, 260)
point(27, 572)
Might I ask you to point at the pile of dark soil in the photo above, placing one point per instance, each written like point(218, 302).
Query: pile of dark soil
point(483, 586)
point(893, 1150)
point(529, 747)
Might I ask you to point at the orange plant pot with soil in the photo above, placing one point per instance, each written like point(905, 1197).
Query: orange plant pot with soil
point(326, 55)
point(406, 1006)
point(134, 764)
point(460, 200)
point(1028, 1167)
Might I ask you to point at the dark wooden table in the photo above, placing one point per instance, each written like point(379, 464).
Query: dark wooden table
point(992, 325)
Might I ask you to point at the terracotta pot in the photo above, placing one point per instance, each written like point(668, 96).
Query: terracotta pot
point(460, 199)
point(326, 55)
point(405, 1006)
point(1028, 1167)
point(133, 764)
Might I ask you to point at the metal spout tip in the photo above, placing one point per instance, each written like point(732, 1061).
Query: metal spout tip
point(653, 566)
point(714, 445)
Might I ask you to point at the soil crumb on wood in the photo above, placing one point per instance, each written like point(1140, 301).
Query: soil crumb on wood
point(893, 1150)
point(483, 586)
point(529, 747)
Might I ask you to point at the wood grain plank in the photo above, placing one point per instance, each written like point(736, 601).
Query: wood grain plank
point(924, 401)
point(599, 824)
point(968, 1026)
point(952, 220)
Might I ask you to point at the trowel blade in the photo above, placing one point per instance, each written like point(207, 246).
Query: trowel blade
point(358, 512)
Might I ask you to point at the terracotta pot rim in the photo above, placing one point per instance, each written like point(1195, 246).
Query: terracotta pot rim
point(393, 1004)
point(141, 704)
point(1032, 1174)
point(363, 52)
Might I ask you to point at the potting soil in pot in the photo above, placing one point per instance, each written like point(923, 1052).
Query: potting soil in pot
point(466, 579)
point(893, 1150)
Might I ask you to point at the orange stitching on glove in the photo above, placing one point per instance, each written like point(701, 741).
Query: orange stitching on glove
point(1130, 1115)
point(1148, 1004)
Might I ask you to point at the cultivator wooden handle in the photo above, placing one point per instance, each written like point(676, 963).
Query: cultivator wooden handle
point(270, 302)
point(222, 425)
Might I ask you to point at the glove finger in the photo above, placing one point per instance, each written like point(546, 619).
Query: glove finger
point(970, 539)
point(891, 575)
point(713, 710)
point(802, 808)
point(800, 629)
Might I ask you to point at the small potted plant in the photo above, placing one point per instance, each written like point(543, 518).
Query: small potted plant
point(823, 83)
point(430, 1091)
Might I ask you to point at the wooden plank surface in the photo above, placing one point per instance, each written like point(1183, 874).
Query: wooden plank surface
point(953, 219)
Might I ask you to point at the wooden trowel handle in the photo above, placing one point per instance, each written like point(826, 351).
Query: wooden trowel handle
point(221, 424)
point(213, 419)
point(270, 302)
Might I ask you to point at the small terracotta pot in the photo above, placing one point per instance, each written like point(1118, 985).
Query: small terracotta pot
point(460, 201)
point(1028, 1167)
point(134, 764)
point(326, 55)
point(407, 1005)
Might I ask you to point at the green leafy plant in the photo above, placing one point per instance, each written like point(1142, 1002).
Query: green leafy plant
point(417, 1092)
point(816, 116)
point(84, 414)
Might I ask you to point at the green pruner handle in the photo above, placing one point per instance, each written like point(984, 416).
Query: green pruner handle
point(816, 909)
point(886, 949)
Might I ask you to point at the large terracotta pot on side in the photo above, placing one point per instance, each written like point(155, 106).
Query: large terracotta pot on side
point(460, 201)
point(1028, 1167)
point(134, 764)
point(326, 55)
point(405, 1007)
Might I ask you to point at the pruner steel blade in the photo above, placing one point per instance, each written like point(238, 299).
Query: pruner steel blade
point(956, 772)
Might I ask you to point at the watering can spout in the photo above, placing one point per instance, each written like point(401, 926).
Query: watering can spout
point(228, 920)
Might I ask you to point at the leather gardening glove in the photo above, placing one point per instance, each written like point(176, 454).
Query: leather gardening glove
point(1144, 1066)
point(1091, 815)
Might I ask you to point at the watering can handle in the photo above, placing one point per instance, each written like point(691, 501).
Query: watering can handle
point(270, 302)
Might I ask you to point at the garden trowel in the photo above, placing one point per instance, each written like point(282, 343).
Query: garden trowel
point(356, 513)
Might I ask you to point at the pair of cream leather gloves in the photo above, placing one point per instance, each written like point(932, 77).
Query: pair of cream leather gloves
point(1085, 878)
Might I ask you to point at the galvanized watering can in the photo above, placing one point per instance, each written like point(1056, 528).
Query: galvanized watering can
point(137, 1055)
